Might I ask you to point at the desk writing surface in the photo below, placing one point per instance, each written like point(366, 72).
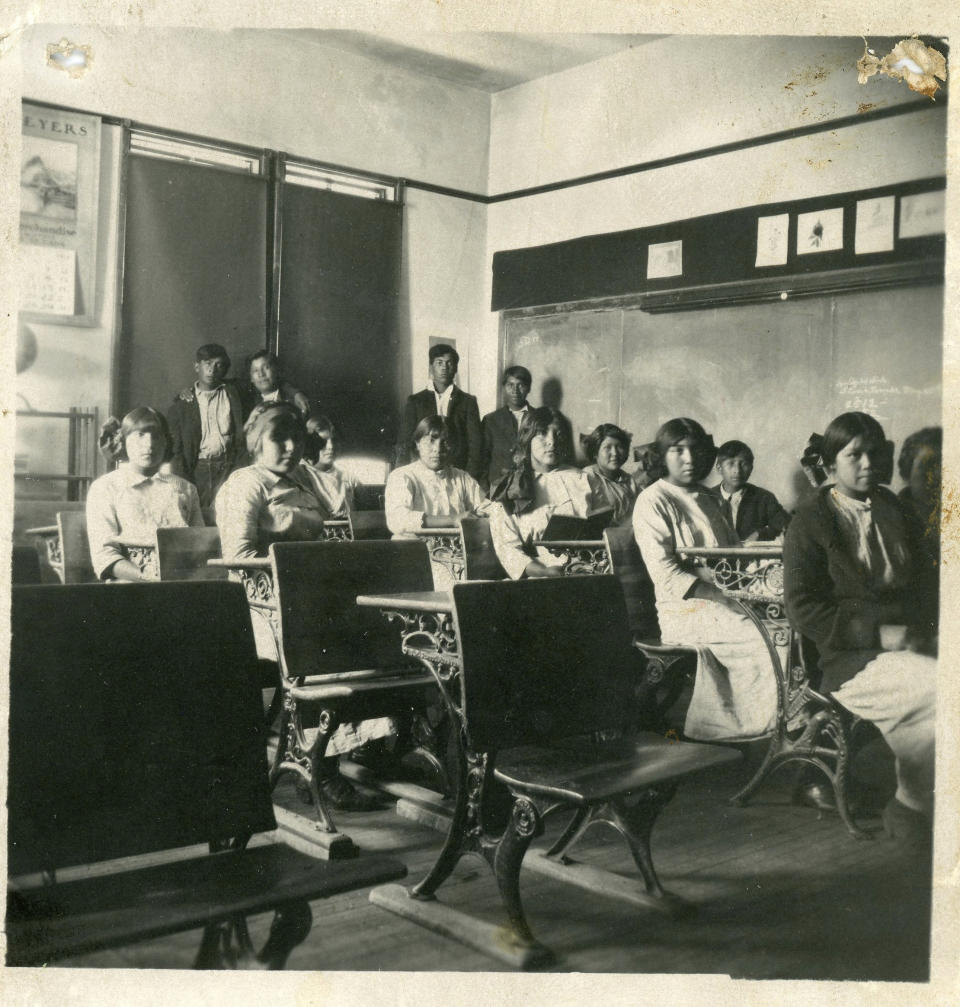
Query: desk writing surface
point(418, 601)
point(764, 551)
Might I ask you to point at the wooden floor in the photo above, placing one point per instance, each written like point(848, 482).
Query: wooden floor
point(780, 894)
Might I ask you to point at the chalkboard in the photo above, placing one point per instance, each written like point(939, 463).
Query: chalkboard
point(768, 374)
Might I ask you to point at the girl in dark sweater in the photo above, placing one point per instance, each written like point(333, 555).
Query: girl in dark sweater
point(854, 587)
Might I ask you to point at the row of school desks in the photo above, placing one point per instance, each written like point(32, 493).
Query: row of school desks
point(476, 643)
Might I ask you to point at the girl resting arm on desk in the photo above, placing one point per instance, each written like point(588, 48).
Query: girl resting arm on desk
point(135, 499)
point(735, 691)
point(536, 488)
point(430, 492)
point(270, 500)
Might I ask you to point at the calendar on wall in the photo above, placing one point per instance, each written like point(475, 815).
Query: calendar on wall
point(59, 186)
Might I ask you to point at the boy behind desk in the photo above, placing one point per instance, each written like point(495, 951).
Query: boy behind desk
point(207, 441)
point(755, 513)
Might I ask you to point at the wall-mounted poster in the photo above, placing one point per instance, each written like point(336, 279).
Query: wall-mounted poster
point(665, 259)
point(874, 231)
point(922, 213)
point(772, 240)
point(820, 231)
point(59, 183)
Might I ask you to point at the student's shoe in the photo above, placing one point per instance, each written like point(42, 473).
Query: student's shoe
point(339, 792)
point(375, 755)
point(342, 795)
point(816, 795)
point(908, 828)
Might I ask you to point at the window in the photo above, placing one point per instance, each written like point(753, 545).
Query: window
point(339, 181)
point(195, 152)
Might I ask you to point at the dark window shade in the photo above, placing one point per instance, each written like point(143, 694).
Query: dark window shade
point(337, 336)
point(194, 273)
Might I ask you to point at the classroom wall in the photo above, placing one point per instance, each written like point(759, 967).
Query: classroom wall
point(72, 362)
point(275, 91)
point(677, 95)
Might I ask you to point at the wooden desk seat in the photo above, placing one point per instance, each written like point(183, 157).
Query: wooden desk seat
point(480, 561)
point(669, 666)
point(339, 663)
point(159, 743)
point(74, 548)
point(582, 771)
point(25, 567)
point(182, 554)
point(369, 524)
point(545, 664)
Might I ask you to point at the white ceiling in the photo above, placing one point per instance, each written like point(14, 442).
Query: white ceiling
point(485, 61)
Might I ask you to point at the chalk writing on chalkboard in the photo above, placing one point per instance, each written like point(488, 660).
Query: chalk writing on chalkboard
point(527, 339)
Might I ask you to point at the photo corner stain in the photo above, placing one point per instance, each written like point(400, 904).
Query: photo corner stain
point(73, 59)
point(910, 60)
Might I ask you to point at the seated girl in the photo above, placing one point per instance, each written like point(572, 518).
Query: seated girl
point(271, 500)
point(136, 499)
point(430, 492)
point(852, 586)
point(537, 487)
point(919, 466)
point(608, 447)
point(334, 487)
point(735, 691)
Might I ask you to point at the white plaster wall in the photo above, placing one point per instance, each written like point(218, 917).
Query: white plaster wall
point(674, 95)
point(72, 366)
point(270, 90)
point(677, 95)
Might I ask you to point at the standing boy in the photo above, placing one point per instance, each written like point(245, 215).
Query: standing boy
point(207, 433)
point(500, 427)
point(442, 397)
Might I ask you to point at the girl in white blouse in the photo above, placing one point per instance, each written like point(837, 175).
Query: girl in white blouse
point(132, 502)
point(272, 499)
point(535, 489)
point(734, 695)
point(430, 492)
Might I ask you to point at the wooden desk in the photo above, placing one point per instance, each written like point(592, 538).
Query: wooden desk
point(585, 557)
point(749, 573)
point(49, 535)
point(336, 530)
point(810, 727)
point(445, 547)
point(510, 775)
point(754, 576)
point(426, 632)
point(256, 576)
point(143, 555)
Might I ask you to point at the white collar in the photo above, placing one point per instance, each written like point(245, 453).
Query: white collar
point(133, 478)
point(426, 471)
point(198, 391)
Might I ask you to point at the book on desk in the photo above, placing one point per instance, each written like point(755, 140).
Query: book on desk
point(567, 528)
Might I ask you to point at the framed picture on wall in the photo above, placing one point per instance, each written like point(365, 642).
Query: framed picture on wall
point(59, 184)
